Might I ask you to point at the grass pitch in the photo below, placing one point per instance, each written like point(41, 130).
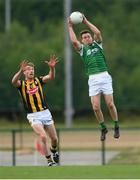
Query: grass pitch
point(71, 172)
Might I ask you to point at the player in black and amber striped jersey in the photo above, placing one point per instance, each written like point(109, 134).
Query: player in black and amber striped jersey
point(32, 95)
point(34, 102)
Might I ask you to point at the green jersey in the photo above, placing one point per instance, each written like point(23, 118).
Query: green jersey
point(93, 58)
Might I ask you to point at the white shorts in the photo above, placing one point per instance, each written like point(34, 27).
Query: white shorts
point(100, 83)
point(41, 117)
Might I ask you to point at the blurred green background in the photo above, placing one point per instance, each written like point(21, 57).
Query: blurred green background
point(37, 30)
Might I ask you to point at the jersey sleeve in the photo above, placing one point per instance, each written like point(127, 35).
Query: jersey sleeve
point(81, 50)
point(40, 80)
point(99, 44)
point(19, 87)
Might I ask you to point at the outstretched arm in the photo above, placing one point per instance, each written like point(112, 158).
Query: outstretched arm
point(73, 38)
point(16, 77)
point(94, 29)
point(51, 63)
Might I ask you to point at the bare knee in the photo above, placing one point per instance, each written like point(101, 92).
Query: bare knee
point(96, 107)
point(111, 105)
point(43, 138)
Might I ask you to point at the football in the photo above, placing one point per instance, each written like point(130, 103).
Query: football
point(76, 17)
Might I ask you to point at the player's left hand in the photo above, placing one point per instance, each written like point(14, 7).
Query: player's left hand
point(52, 61)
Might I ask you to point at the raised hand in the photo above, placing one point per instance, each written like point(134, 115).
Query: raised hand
point(52, 61)
point(23, 64)
point(69, 21)
point(84, 19)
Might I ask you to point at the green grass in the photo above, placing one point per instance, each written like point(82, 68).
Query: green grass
point(127, 156)
point(72, 172)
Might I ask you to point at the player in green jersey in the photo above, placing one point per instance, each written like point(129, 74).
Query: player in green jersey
point(100, 82)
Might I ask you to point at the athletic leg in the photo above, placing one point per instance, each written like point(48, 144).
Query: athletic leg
point(54, 141)
point(96, 105)
point(95, 101)
point(39, 129)
point(113, 112)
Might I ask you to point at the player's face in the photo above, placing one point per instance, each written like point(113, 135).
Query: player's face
point(87, 38)
point(29, 72)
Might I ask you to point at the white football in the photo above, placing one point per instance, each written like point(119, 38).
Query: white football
point(76, 17)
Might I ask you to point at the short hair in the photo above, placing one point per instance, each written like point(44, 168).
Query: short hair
point(31, 64)
point(84, 32)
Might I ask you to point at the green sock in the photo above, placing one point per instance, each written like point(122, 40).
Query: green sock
point(116, 123)
point(102, 125)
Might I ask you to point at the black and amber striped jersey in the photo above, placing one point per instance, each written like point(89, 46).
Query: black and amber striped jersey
point(32, 95)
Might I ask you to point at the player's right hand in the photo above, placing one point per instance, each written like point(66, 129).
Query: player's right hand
point(69, 21)
point(23, 64)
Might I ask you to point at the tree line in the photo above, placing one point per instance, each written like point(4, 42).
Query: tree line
point(37, 30)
